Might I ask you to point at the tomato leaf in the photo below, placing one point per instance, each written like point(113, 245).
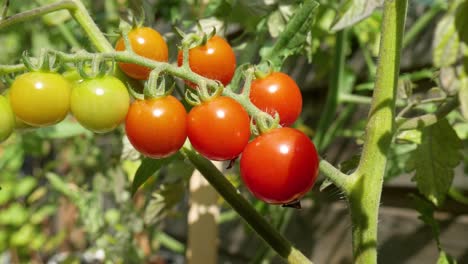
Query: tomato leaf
point(353, 11)
point(147, 169)
point(398, 157)
point(446, 42)
point(434, 160)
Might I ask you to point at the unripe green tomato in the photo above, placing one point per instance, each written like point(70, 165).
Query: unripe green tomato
point(40, 98)
point(7, 119)
point(100, 104)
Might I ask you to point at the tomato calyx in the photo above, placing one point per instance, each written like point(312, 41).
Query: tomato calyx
point(155, 87)
point(204, 93)
point(47, 62)
point(264, 122)
point(99, 68)
point(192, 40)
point(263, 70)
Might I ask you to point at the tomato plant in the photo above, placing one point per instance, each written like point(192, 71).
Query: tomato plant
point(40, 98)
point(277, 93)
point(157, 127)
point(279, 166)
point(100, 104)
point(7, 119)
point(215, 60)
point(145, 42)
point(219, 128)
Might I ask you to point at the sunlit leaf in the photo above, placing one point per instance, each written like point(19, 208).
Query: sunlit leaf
point(434, 160)
point(353, 11)
point(445, 259)
point(446, 42)
point(162, 200)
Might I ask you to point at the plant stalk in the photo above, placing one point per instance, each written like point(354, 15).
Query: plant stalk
point(264, 229)
point(366, 191)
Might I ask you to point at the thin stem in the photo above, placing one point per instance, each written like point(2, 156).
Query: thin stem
point(81, 15)
point(37, 12)
point(355, 99)
point(428, 119)
point(336, 83)
point(366, 191)
point(266, 231)
point(341, 180)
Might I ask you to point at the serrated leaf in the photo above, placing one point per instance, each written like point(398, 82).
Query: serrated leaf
point(445, 259)
point(292, 40)
point(353, 11)
point(147, 169)
point(434, 160)
point(446, 42)
point(463, 97)
point(163, 199)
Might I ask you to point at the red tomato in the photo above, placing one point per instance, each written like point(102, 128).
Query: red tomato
point(219, 129)
point(215, 60)
point(277, 92)
point(145, 42)
point(279, 166)
point(157, 127)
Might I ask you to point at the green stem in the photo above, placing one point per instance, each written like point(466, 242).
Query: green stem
point(81, 15)
point(366, 190)
point(336, 83)
point(37, 12)
point(266, 231)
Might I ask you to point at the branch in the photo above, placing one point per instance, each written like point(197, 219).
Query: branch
point(37, 12)
point(427, 119)
point(341, 180)
point(248, 213)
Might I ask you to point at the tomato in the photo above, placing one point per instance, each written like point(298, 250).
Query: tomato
point(157, 127)
point(40, 98)
point(214, 60)
point(279, 166)
point(145, 42)
point(279, 93)
point(7, 119)
point(219, 129)
point(100, 104)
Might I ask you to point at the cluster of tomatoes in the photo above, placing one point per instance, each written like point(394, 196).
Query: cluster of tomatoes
point(279, 166)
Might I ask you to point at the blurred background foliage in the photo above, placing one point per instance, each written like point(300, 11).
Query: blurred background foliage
point(66, 193)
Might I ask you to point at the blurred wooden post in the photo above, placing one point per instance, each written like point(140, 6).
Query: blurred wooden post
point(202, 245)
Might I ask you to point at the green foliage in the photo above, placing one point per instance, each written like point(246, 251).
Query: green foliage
point(434, 160)
point(353, 11)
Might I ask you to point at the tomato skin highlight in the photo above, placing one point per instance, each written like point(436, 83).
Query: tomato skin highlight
point(279, 166)
point(7, 119)
point(100, 104)
point(157, 127)
point(215, 60)
point(219, 129)
point(40, 98)
point(145, 42)
point(279, 93)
